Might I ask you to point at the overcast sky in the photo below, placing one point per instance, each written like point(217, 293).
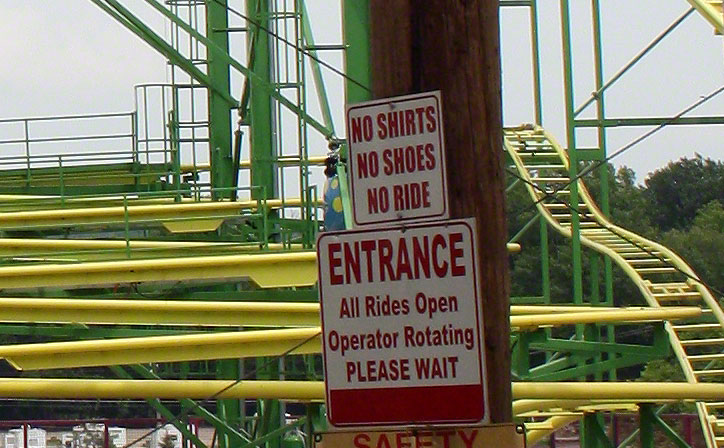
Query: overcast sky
point(68, 57)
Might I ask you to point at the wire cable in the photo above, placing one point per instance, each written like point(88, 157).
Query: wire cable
point(615, 232)
point(293, 45)
point(633, 143)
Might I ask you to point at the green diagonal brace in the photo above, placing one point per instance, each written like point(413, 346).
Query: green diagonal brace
point(276, 433)
point(212, 47)
point(552, 366)
point(191, 405)
point(316, 69)
point(592, 425)
point(164, 411)
point(130, 21)
point(563, 345)
point(668, 430)
point(590, 369)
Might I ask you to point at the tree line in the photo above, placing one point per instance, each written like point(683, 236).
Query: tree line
point(680, 206)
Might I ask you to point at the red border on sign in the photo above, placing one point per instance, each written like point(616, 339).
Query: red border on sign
point(460, 404)
point(358, 400)
point(443, 173)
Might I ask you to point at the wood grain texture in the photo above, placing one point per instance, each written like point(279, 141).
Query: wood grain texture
point(453, 46)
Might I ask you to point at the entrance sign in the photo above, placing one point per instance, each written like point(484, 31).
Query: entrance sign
point(397, 160)
point(401, 323)
point(495, 436)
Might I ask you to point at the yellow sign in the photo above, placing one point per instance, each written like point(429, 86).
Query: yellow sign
point(494, 436)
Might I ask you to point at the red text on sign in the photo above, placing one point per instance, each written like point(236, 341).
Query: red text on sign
point(374, 260)
point(420, 439)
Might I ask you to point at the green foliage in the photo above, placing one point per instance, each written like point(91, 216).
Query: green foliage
point(667, 371)
point(662, 370)
point(676, 192)
point(702, 244)
point(679, 205)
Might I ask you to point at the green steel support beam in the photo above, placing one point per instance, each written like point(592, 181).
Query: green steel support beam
point(594, 430)
point(603, 170)
point(552, 367)
point(136, 26)
point(535, 48)
point(263, 169)
point(162, 410)
point(277, 434)
point(665, 428)
point(319, 84)
point(316, 418)
point(191, 406)
point(255, 79)
point(269, 427)
point(573, 156)
point(545, 263)
point(629, 355)
point(356, 34)
point(520, 361)
point(526, 227)
point(593, 332)
point(646, 425)
point(229, 410)
point(648, 121)
point(589, 369)
point(260, 117)
point(592, 347)
point(219, 113)
point(630, 438)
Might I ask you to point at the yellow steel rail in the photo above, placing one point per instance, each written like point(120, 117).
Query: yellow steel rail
point(160, 312)
point(217, 345)
point(277, 314)
point(189, 347)
point(544, 166)
point(524, 407)
point(563, 393)
point(637, 392)
point(711, 10)
point(629, 393)
point(272, 270)
point(64, 250)
point(268, 270)
point(66, 217)
point(163, 389)
point(14, 246)
point(567, 395)
point(608, 316)
point(534, 435)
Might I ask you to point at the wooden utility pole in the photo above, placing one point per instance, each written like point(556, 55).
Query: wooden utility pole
point(453, 46)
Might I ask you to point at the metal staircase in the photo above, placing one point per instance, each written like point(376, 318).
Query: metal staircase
point(663, 278)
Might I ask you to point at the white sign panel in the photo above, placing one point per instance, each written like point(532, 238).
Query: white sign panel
point(402, 323)
point(397, 160)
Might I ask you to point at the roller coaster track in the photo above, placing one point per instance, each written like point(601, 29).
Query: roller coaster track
point(663, 277)
point(711, 10)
